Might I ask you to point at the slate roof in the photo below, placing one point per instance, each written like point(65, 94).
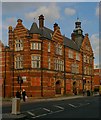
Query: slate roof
point(79, 41)
point(70, 43)
point(47, 33)
point(34, 29)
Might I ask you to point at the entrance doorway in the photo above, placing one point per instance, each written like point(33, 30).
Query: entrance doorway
point(58, 87)
point(74, 88)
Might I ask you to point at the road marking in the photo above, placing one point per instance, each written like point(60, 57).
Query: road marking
point(55, 112)
point(72, 105)
point(31, 113)
point(39, 115)
point(50, 112)
point(59, 107)
point(47, 109)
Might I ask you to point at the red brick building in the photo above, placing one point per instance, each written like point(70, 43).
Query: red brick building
point(97, 76)
point(48, 63)
point(1, 60)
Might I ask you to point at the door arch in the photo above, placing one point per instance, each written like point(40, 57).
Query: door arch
point(58, 87)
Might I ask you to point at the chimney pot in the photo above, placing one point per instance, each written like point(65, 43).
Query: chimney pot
point(41, 21)
point(73, 36)
point(86, 34)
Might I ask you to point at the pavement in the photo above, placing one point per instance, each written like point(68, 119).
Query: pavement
point(20, 116)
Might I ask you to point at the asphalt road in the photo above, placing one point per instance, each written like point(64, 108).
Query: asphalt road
point(87, 107)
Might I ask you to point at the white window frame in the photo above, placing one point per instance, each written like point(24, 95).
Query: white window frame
point(35, 46)
point(70, 54)
point(58, 64)
point(35, 61)
point(58, 49)
point(85, 70)
point(49, 63)
point(19, 62)
point(18, 45)
point(84, 58)
point(87, 59)
point(77, 56)
point(75, 68)
point(49, 47)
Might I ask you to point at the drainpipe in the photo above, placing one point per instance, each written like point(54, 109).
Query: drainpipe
point(64, 71)
point(5, 75)
point(13, 68)
point(82, 72)
point(42, 69)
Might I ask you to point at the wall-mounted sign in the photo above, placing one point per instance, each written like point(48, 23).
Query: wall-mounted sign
point(24, 78)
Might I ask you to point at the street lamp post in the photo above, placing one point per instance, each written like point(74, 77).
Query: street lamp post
point(84, 81)
point(20, 81)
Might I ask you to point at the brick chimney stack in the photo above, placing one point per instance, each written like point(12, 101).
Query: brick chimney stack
point(73, 36)
point(56, 26)
point(41, 21)
point(19, 21)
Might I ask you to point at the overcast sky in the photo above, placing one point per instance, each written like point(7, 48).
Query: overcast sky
point(63, 13)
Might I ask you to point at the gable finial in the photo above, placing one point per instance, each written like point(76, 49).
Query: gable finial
point(78, 19)
point(34, 19)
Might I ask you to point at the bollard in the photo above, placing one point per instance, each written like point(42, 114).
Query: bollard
point(16, 106)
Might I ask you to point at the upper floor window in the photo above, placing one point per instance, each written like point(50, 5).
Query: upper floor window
point(35, 46)
point(91, 60)
point(87, 59)
point(19, 62)
point(87, 48)
point(18, 45)
point(70, 54)
point(49, 63)
point(35, 61)
point(59, 64)
point(59, 49)
point(75, 68)
point(49, 46)
point(77, 56)
point(85, 70)
point(84, 59)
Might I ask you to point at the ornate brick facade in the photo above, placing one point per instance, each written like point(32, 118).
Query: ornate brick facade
point(49, 63)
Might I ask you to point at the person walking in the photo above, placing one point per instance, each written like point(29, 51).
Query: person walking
point(23, 94)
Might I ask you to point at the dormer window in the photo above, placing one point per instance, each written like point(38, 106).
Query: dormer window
point(18, 45)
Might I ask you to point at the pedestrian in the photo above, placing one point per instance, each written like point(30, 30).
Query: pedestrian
point(83, 92)
point(23, 95)
point(18, 95)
